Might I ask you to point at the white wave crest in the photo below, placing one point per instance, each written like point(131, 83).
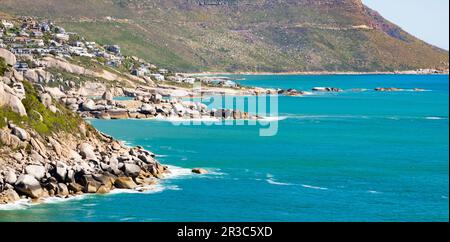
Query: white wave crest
point(274, 182)
point(314, 187)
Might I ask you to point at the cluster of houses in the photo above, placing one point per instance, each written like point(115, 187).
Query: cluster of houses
point(29, 37)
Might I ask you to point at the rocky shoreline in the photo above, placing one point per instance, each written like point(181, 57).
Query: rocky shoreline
point(46, 150)
point(147, 106)
point(66, 165)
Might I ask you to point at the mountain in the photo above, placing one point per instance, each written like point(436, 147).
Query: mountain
point(243, 35)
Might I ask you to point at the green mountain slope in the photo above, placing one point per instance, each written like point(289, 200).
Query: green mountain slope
point(243, 35)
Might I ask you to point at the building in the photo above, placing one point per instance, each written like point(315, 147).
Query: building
point(7, 24)
point(141, 71)
point(45, 28)
point(114, 49)
point(62, 37)
point(158, 77)
point(163, 71)
point(21, 66)
point(37, 34)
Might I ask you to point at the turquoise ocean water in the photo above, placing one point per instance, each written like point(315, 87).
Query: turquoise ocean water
point(351, 156)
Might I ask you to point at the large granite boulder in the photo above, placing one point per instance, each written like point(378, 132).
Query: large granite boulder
point(148, 109)
point(46, 99)
point(21, 133)
point(89, 105)
point(10, 177)
point(131, 170)
point(29, 186)
point(108, 95)
point(36, 171)
point(87, 151)
point(9, 57)
point(9, 98)
point(9, 196)
point(125, 183)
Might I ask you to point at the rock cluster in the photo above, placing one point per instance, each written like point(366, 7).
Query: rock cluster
point(35, 165)
point(387, 89)
point(68, 166)
point(292, 92)
point(146, 105)
point(326, 89)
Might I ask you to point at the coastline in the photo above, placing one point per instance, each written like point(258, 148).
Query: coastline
point(174, 173)
point(318, 73)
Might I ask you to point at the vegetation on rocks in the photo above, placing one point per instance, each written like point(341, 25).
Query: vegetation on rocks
point(63, 120)
point(3, 66)
point(39, 117)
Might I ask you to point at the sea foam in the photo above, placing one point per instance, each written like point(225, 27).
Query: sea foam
point(314, 187)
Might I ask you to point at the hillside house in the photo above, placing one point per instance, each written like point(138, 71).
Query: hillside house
point(163, 71)
point(113, 48)
point(158, 77)
point(21, 66)
point(37, 34)
point(7, 24)
point(62, 38)
point(45, 27)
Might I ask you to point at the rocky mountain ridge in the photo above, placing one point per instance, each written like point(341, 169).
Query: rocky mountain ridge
point(245, 36)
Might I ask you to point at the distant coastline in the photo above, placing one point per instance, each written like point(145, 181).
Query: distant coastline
point(411, 72)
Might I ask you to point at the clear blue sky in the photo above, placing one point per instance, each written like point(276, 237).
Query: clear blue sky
point(425, 19)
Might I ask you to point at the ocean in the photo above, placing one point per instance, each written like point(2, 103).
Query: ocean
point(358, 155)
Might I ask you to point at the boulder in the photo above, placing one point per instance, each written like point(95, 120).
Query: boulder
point(9, 57)
point(17, 156)
point(10, 140)
point(90, 184)
point(131, 170)
point(108, 96)
point(21, 133)
point(75, 187)
point(10, 177)
point(31, 76)
point(147, 159)
point(46, 99)
point(53, 109)
point(29, 186)
point(199, 171)
point(116, 146)
point(37, 171)
point(36, 157)
point(61, 171)
point(70, 175)
point(89, 105)
point(103, 189)
point(62, 190)
point(87, 151)
point(179, 109)
point(9, 196)
point(9, 98)
point(56, 146)
point(104, 180)
point(17, 75)
point(125, 183)
point(148, 109)
point(118, 113)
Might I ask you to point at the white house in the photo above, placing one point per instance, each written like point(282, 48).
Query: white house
point(158, 77)
point(7, 24)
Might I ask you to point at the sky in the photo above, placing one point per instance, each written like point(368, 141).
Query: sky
point(426, 19)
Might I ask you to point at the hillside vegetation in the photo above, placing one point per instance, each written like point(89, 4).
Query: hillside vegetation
point(243, 35)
